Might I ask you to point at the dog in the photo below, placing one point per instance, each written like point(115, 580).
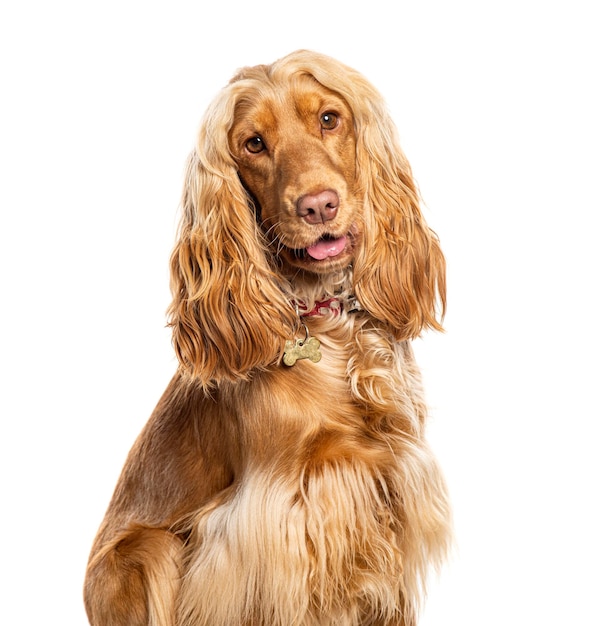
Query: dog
point(284, 478)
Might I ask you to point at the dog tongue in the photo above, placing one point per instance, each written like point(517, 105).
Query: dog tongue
point(326, 248)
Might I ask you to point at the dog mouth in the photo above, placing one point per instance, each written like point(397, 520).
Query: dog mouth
point(327, 247)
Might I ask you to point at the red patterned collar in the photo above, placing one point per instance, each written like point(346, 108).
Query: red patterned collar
point(334, 306)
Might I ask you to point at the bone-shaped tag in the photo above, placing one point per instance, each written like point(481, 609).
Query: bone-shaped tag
point(308, 348)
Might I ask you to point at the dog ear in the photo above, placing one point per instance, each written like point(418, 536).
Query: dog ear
point(229, 313)
point(400, 273)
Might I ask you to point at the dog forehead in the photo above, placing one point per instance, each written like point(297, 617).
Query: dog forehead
point(256, 110)
point(265, 104)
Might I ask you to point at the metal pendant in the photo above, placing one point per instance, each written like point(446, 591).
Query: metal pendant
point(297, 349)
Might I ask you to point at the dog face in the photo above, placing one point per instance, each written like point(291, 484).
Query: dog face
point(295, 148)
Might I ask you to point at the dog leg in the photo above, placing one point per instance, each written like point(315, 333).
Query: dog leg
point(133, 580)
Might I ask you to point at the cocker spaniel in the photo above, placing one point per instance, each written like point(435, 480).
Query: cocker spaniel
point(284, 478)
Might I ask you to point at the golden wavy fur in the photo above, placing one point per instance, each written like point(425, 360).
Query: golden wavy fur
point(261, 494)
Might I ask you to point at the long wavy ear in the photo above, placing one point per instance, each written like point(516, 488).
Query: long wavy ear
point(400, 273)
point(229, 312)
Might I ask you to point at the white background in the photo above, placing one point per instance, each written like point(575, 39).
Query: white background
point(499, 108)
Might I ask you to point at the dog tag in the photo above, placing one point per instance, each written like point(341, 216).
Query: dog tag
point(297, 349)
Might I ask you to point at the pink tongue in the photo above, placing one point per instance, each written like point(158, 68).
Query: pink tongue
point(326, 248)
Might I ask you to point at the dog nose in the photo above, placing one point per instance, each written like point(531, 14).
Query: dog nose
point(317, 208)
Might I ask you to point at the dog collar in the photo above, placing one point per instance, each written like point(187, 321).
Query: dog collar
point(309, 347)
point(333, 306)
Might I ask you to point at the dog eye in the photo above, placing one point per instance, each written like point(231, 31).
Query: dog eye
point(255, 145)
point(329, 120)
